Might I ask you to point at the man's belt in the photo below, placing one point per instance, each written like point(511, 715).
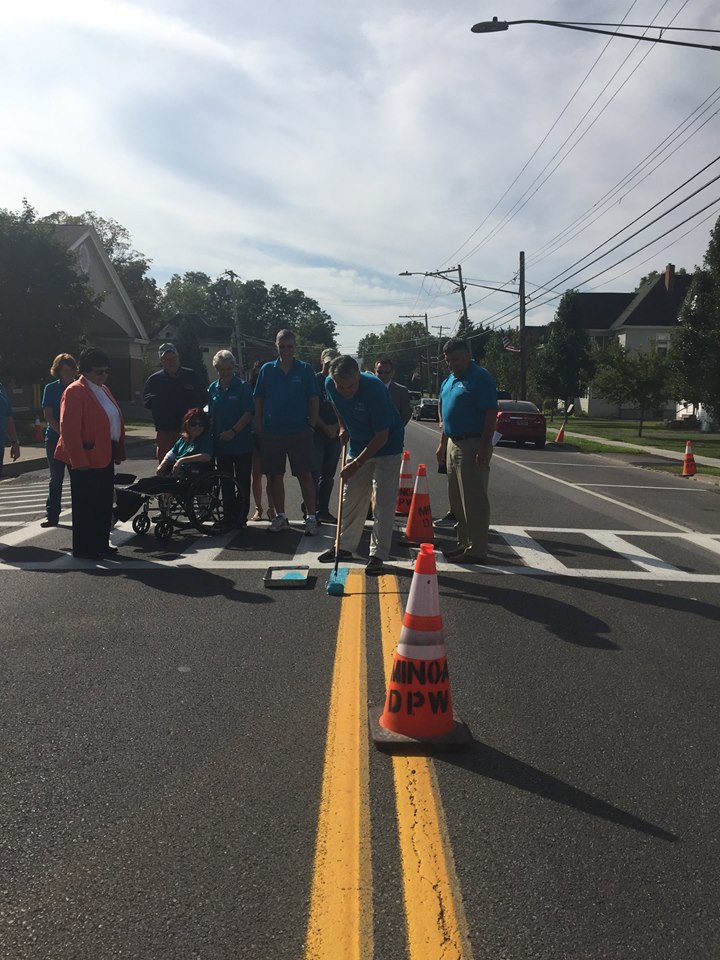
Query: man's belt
point(464, 436)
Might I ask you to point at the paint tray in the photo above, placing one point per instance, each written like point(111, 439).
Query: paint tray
point(286, 578)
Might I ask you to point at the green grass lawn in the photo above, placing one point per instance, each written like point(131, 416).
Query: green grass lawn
point(655, 434)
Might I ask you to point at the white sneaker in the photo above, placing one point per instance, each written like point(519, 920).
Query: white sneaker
point(278, 523)
point(311, 527)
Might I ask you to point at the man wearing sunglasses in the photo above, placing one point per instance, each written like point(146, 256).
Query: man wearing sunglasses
point(168, 395)
point(400, 396)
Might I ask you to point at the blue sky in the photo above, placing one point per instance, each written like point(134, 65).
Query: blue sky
point(329, 146)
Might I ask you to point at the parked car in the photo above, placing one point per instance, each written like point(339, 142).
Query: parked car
point(521, 421)
point(427, 409)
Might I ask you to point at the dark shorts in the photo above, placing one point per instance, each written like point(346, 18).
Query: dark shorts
point(299, 448)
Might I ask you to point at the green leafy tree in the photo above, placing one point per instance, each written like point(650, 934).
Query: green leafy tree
point(639, 377)
point(654, 274)
point(694, 355)
point(45, 303)
point(131, 266)
point(503, 365)
point(565, 364)
point(407, 345)
point(189, 349)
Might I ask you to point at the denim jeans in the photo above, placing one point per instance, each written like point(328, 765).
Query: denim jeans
point(57, 473)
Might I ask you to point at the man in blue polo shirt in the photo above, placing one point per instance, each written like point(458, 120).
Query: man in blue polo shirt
point(371, 424)
point(468, 408)
point(286, 411)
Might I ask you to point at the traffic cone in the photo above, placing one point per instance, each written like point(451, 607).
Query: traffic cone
point(689, 468)
point(405, 486)
point(418, 707)
point(38, 432)
point(419, 527)
point(560, 438)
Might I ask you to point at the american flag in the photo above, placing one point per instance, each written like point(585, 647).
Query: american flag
point(508, 345)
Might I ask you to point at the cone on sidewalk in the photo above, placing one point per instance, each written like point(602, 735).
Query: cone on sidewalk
point(405, 486)
point(419, 528)
point(37, 431)
point(560, 438)
point(418, 706)
point(689, 468)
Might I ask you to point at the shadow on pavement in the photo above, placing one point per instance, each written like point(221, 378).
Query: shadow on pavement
point(489, 762)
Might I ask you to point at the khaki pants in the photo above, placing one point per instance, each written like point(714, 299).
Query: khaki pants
point(378, 477)
point(467, 492)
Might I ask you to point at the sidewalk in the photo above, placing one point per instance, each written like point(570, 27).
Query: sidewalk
point(32, 456)
point(653, 451)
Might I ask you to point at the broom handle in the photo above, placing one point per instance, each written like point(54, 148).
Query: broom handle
point(340, 508)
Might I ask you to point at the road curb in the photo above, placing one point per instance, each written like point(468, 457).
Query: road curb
point(39, 462)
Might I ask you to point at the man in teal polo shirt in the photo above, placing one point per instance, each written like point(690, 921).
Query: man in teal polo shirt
point(286, 411)
point(231, 408)
point(371, 424)
point(468, 408)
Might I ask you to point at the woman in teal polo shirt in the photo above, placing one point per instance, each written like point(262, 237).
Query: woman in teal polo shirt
point(231, 408)
point(64, 368)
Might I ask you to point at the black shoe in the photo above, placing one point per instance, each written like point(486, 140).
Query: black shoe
point(374, 566)
point(329, 555)
point(49, 523)
point(109, 551)
point(86, 556)
point(325, 517)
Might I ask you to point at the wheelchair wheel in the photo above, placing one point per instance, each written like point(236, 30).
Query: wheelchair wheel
point(206, 502)
point(141, 523)
point(164, 530)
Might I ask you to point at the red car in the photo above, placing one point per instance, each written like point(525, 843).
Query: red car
point(521, 421)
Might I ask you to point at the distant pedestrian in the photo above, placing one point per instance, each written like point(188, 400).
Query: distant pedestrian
point(168, 395)
point(8, 430)
point(286, 407)
point(231, 409)
point(400, 396)
point(468, 407)
point(92, 441)
point(371, 424)
point(327, 442)
point(64, 368)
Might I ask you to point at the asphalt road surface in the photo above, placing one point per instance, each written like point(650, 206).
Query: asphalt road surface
point(187, 770)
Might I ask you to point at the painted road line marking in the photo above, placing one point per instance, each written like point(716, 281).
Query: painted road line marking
point(340, 923)
point(708, 541)
point(631, 552)
point(594, 493)
point(639, 486)
point(434, 909)
point(530, 551)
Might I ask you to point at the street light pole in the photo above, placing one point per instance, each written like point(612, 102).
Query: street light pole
point(496, 26)
point(523, 354)
point(443, 275)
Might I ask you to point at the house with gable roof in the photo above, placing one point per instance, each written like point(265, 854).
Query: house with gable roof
point(637, 320)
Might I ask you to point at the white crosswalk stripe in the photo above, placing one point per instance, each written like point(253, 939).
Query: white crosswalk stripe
point(515, 551)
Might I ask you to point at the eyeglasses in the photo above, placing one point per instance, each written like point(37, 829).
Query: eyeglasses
point(383, 373)
point(101, 369)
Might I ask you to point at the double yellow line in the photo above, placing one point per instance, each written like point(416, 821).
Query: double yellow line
point(340, 923)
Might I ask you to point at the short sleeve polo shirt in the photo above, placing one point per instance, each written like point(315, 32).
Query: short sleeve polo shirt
point(52, 394)
point(367, 413)
point(285, 396)
point(465, 401)
point(225, 407)
point(190, 448)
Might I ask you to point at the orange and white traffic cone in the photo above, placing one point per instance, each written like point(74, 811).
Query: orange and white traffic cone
point(37, 431)
point(405, 486)
point(560, 438)
point(418, 707)
point(419, 527)
point(689, 468)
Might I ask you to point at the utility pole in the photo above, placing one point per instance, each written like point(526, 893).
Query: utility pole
point(464, 303)
point(421, 316)
point(437, 372)
point(523, 349)
point(236, 320)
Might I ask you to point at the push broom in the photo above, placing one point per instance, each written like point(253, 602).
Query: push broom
point(336, 585)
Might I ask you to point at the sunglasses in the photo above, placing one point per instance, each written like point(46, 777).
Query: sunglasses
point(286, 346)
point(382, 373)
point(195, 423)
point(101, 369)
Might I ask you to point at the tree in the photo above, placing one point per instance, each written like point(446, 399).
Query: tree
point(694, 355)
point(131, 266)
point(45, 303)
point(189, 349)
point(654, 274)
point(565, 365)
point(407, 345)
point(639, 377)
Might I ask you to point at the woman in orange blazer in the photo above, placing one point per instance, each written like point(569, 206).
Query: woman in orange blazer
point(92, 440)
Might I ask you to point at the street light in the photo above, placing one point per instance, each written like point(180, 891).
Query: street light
point(442, 274)
point(496, 26)
point(520, 293)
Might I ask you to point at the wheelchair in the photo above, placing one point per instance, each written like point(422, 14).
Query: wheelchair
point(198, 500)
